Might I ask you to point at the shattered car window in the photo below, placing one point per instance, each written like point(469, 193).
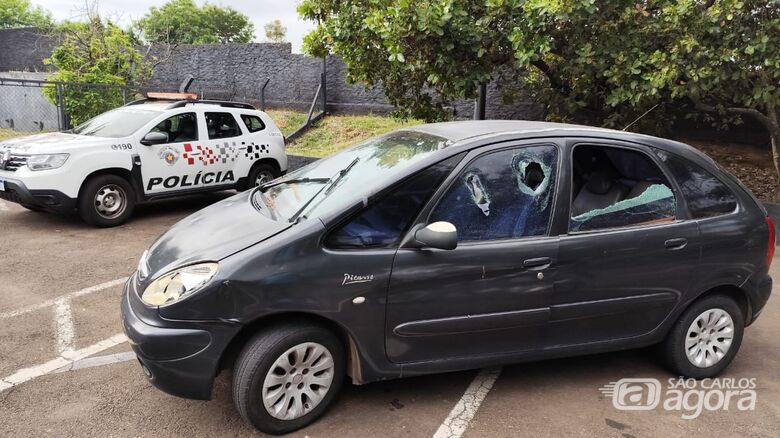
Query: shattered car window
point(705, 195)
point(502, 195)
point(615, 187)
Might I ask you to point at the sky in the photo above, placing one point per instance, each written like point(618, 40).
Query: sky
point(124, 12)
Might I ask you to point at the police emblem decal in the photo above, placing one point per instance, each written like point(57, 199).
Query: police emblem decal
point(169, 155)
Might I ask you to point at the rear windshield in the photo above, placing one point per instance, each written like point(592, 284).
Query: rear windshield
point(117, 123)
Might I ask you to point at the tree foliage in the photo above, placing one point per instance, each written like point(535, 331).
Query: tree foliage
point(275, 31)
point(598, 62)
point(183, 22)
point(20, 13)
point(94, 52)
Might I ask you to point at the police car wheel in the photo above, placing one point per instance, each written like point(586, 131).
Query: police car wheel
point(261, 174)
point(106, 201)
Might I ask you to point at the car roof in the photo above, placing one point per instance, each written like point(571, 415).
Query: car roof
point(471, 131)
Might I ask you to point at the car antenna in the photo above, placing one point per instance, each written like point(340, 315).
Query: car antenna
point(640, 117)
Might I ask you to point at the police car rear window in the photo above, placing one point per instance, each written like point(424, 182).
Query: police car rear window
point(253, 123)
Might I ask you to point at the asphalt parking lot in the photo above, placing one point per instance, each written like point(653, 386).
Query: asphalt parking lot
point(66, 370)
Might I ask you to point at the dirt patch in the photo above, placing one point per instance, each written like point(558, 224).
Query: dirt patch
point(752, 165)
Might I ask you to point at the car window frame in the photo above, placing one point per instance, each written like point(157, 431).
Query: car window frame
point(681, 208)
point(248, 129)
point(166, 116)
point(477, 152)
point(728, 184)
point(241, 131)
point(380, 196)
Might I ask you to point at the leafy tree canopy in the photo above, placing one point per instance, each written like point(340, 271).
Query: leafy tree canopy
point(275, 32)
point(20, 13)
point(183, 22)
point(95, 52)
point(603, 63)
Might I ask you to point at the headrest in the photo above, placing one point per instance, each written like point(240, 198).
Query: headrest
point(599, 182)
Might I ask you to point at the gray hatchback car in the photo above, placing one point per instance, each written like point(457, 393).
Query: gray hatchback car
point(446, 247)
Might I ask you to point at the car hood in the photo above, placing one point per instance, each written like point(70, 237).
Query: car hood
point(212, 234)
point(52, 142)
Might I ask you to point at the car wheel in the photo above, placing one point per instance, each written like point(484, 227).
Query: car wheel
point(106, 201)
point(706, 338)
point(261, 174)
point(287, 376)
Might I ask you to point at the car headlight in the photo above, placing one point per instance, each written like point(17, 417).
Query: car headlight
point(178, 283)
point(46, 162)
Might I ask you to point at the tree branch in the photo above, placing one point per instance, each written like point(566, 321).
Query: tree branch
point(761, 117)
point(555, 81)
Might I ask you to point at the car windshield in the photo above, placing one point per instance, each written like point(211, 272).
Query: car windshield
point(336, 182)
point(117, 123)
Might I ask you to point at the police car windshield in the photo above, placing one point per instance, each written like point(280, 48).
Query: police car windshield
point(117, 123)
point(376, 163)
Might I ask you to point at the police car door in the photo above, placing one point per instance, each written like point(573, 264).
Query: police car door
point(169, 167)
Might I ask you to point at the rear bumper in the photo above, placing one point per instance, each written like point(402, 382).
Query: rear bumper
point(759, 297)
point(178, 359)
point(49, 200)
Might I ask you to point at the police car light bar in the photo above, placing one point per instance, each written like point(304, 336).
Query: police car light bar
point(172, 96)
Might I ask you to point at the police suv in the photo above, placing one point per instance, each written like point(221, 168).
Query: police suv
point(166, 145)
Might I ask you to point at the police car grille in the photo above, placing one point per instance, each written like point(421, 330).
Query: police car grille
point(15, 162)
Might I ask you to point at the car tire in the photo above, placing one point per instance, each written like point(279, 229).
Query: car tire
point(106, 201)
point(269, 392)
point(716, 317)
point(261, 174)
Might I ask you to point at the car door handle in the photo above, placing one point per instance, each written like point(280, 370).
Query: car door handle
point(678, 243)
point(540, 262)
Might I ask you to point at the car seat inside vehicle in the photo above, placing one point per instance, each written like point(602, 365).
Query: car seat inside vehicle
point(617, 187)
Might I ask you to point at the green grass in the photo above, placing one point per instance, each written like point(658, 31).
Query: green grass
point(336, 132)
point(5, 134)
point(287, 120)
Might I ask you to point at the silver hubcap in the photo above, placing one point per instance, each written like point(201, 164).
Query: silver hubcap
point(709, 338)
point(263, 177)
point(298, 381)
point(110, 201)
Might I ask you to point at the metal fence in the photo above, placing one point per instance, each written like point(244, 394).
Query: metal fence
point(30, 105)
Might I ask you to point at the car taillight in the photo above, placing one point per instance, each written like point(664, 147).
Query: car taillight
point(770, 241)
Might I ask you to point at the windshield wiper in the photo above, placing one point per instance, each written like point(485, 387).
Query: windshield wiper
point(326, 188)
point(269, 185)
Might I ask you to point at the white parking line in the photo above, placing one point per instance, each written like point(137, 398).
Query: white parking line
point(66, 359)
point(64, 322)
point(455, 425)
point(52, 302)
point(98, 361)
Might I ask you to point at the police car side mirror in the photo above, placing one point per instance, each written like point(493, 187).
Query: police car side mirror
point(154, 138)
point(439, 235)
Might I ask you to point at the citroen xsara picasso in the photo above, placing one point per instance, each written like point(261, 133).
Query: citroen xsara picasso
point(446, 247)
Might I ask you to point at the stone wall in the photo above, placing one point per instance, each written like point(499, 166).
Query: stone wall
point(24, 49)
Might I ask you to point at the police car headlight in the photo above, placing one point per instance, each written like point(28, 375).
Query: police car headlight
point(46, 162)
point(179, 283)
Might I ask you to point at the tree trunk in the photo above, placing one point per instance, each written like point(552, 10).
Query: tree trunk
point(774, 134)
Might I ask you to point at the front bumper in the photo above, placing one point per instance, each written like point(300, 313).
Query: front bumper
point(178, 357)
point(49, 200)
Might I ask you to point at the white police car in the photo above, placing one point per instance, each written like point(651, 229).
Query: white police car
point(166, 145)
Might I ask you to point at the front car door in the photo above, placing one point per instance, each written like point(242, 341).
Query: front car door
point(629, 253)
point(491, 294)
point(168, 167)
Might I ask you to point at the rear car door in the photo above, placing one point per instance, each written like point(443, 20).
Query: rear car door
point(629, 253)
point(492, 293)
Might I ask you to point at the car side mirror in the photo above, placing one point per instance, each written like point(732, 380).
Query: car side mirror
point(439, 235)
point(154, 138)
